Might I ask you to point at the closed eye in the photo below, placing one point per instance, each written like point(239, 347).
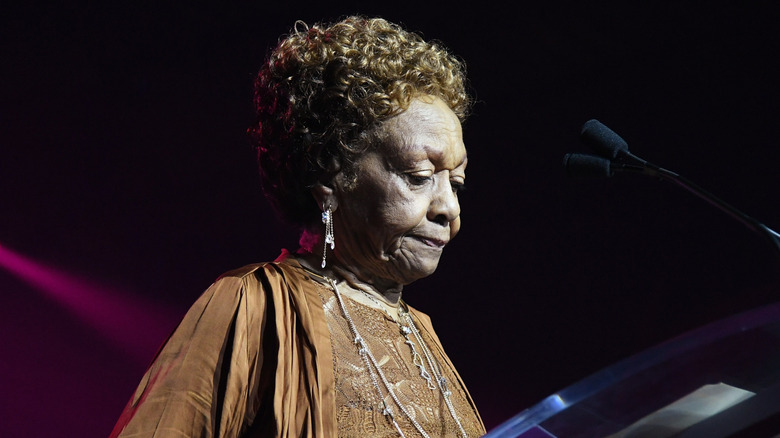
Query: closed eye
point(457, 187)
point(419, 180)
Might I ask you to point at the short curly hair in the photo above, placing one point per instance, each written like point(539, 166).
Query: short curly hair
point(323, 92)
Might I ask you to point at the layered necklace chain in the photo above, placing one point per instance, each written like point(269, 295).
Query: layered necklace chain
point(409, 330)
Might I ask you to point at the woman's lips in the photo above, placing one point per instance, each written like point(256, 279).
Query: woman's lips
point(432, 242)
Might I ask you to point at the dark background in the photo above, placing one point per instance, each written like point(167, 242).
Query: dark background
point(124, 162)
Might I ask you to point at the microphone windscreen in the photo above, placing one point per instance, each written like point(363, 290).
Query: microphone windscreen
point(602, 139)
point(586, 165)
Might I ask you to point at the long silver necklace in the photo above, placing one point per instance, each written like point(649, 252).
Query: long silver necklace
point(417, 359)
point(435, 368)
point(377, 375)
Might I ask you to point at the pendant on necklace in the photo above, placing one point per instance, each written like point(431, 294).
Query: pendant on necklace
point(417, 359)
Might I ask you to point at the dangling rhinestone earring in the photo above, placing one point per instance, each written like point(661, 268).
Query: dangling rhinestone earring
point(327, 219)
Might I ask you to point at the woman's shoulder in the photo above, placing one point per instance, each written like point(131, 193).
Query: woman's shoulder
point(244, 271)
point(282, 270)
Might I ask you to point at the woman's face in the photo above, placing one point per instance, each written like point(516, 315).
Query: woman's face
point(395, 218)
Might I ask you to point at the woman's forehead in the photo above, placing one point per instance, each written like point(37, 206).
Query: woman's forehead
point(429, 129)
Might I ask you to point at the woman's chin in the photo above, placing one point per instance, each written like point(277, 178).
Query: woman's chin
point(418, 270)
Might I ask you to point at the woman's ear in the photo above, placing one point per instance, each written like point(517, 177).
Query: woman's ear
point(325, 196)
point(324, 192)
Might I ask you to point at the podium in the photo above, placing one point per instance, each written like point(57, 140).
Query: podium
point(721, 380)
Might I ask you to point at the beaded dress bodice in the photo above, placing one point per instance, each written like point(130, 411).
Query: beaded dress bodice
point(358, 405)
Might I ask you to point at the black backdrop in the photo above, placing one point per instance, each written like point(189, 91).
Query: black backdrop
point(124, 161)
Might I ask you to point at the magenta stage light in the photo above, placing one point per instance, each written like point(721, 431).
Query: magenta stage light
point(134, 325)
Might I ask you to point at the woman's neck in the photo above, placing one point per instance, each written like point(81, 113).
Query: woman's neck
point(387, 291)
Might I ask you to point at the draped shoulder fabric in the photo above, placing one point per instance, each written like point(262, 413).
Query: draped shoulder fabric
point(251, 358)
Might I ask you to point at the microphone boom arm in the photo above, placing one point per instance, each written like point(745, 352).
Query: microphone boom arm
point(628, 162)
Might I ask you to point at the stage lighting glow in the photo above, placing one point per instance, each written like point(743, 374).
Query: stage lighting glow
point(134, 325)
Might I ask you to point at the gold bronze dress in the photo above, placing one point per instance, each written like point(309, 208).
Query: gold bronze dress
point(264, 352)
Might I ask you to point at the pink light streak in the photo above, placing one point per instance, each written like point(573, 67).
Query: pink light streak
point(134, 325)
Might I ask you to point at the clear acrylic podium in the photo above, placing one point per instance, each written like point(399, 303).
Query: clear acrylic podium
point(722, 380)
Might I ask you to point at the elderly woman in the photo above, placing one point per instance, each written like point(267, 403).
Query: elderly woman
point(359, 144)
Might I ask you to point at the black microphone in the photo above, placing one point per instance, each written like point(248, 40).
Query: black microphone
point(587, 165)
point(616, 157)
point(602, 139)
point(611, 146)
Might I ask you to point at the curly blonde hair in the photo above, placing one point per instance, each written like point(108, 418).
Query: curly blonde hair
point(326, 88)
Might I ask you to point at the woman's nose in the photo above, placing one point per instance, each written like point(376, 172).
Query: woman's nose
point(444, 207)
